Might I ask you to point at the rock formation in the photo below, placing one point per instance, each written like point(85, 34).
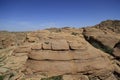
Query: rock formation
point(91, 53)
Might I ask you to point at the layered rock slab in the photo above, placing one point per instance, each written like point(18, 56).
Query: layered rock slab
point(61, 53)
point(105, 37)
point(90, 60)
point(72, 67)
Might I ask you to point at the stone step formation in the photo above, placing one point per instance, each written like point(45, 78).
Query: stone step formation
point(59, 54)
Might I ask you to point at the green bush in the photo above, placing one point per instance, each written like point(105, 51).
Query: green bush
point(1, 77)
point(58, 30)
point(53, 78)
point(46, 42)
point(74, 33)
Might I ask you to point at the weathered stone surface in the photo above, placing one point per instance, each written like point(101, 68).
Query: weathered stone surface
point(110, 25)
point(117, 50)
point(46, 45)
point(37, 36)
point(117, 67)
point(62, 67)
point(58, 45)
point(21, 37)
point(23, 49)
point(21, 54)
point(7, 39)
point(17, 76)
point(32, 39)
point(37, 76)
point(63, 52)
point(75, 77)
point(3, 70)
point(62, 55)
point(106, 38)
point(62, 62)
point(107, 76)
point(50, 55)
point(75, 45)
point(14, 62)
point(111, 77)
point(36, 46)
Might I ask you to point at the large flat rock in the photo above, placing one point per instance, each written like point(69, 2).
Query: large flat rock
point(73, 66)
point(62, 55)
point(58, 45)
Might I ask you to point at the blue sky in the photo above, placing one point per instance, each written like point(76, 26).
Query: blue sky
point(25, 15)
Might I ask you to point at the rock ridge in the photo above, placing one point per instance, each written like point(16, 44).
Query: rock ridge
point(90, 53)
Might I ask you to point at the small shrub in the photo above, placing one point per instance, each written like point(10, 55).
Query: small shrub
point(53, 78)
point(1, 77)
point(46, 42)
point(74, 33)
point(2, 58)
point(58, 30)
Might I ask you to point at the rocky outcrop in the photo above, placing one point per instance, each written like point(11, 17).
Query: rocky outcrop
point(60, 54)
point(117, 50)
point(108, 39)
point(109, 25)
point(8, 39)
point(63, 60)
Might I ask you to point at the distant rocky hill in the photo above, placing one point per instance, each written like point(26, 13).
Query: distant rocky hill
point(91, 53)
point(110, 25)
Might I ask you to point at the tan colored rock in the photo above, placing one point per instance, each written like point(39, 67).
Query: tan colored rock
point(69, 77)
point(37, 36)
point(62, 67)
point(93, 78)
point(58, 45)
point(21, 37)
point(111, 77)
point(34, 77)
point(108, 76)
point(3, 70)
point(106, 38)
point(110, 25)
point(17, 76)
point(7, 77)
point(36, 46)
point(23, 49)
point(54, 67)
point(7, 39)
point(83, 77)
point(32, 37)
point(21, 54)
point(117, 68)
point(57, 36)
point(60, 52)
point(75, 77)
point(90, 60)
point(61, 55)
point(46, 45)
point(116, 51)
point(50, 55)
point(14, 62)
point(75, 45)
